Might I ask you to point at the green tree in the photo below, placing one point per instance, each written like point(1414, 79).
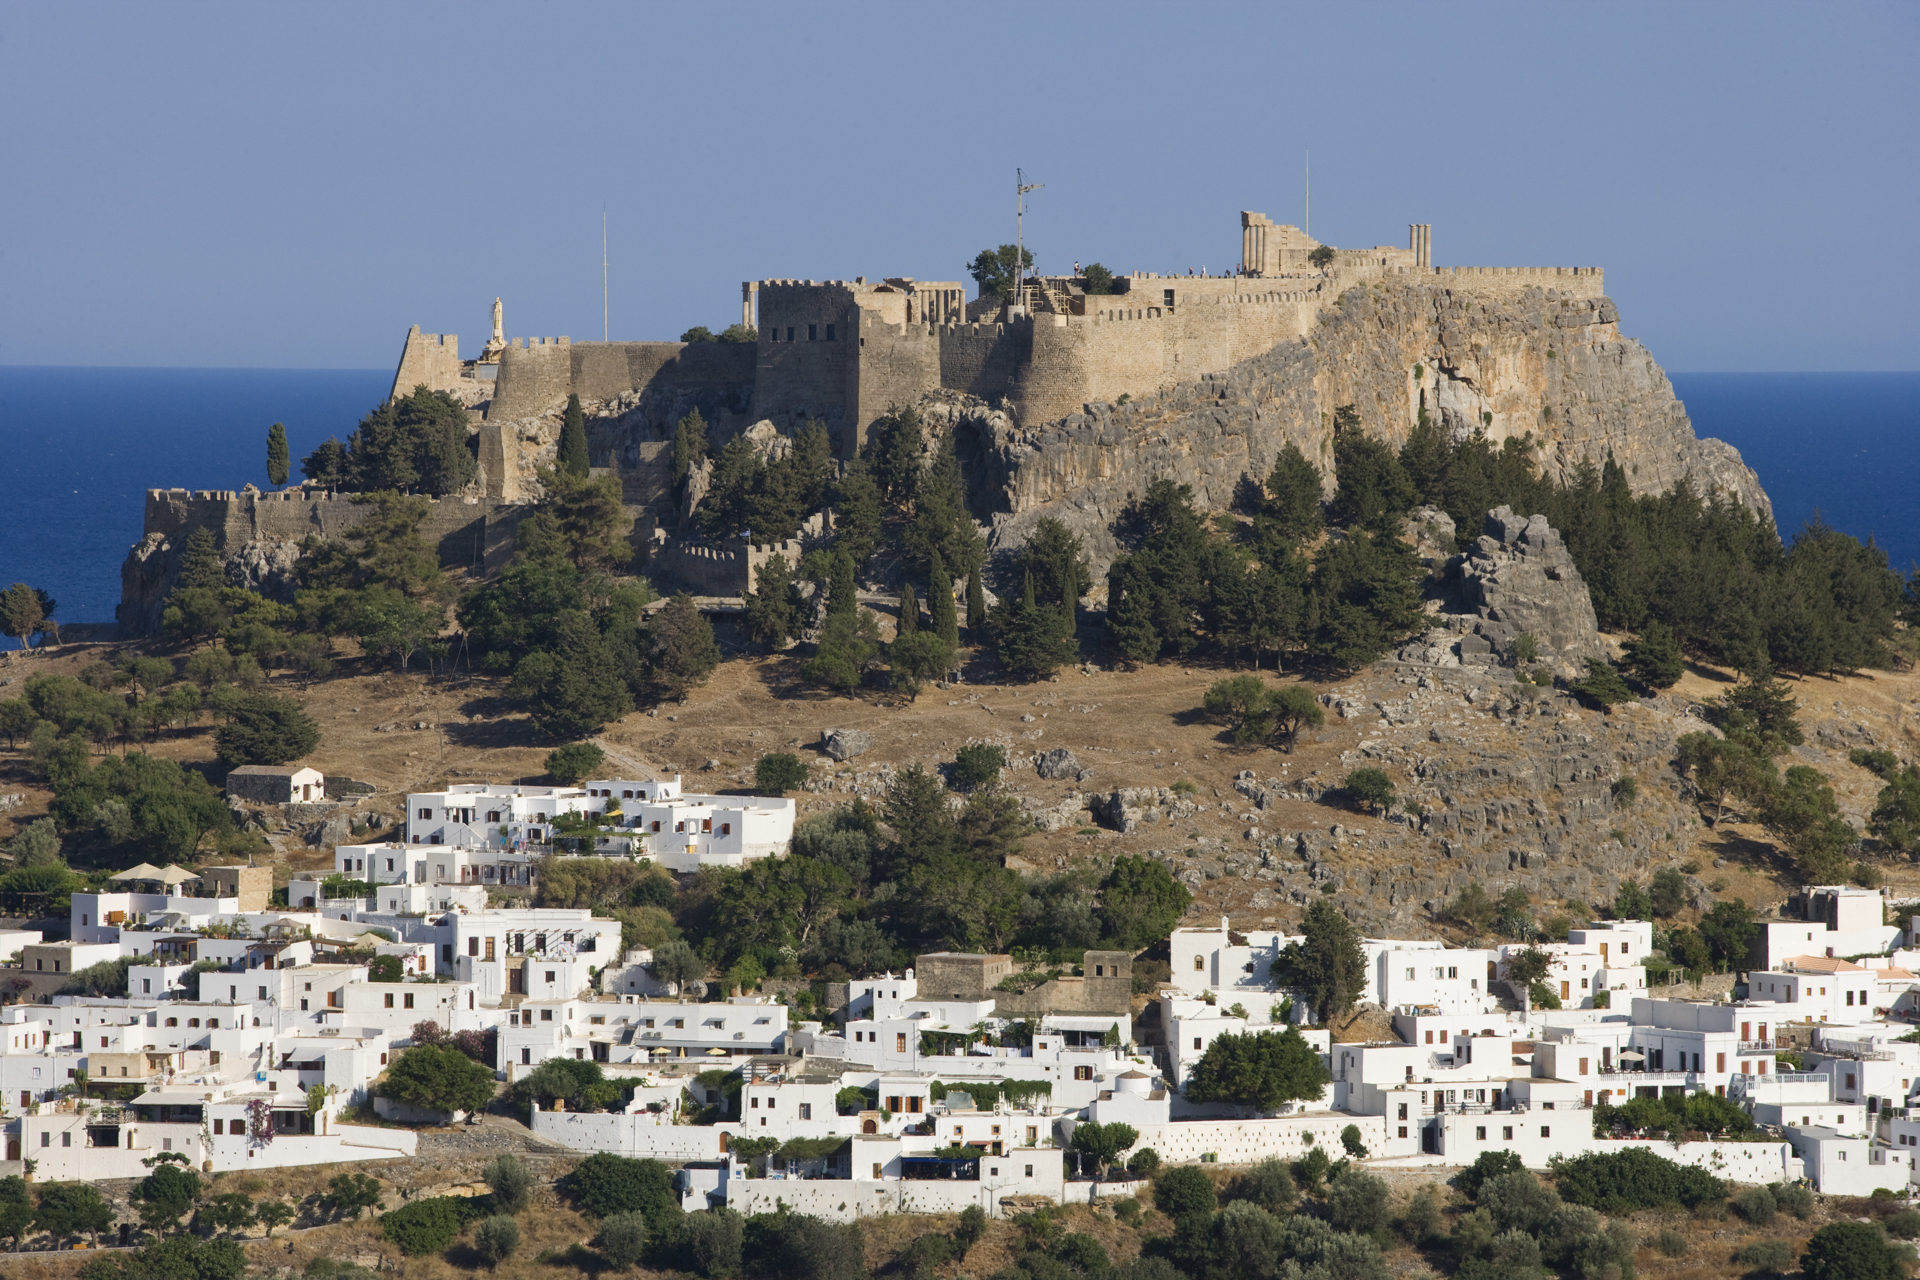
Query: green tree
point(573, 438)
point(622, 1239)
point(1728, 929)
point(166, 1195)
point(496, 1238)
point(773, 607)
point(1758, 713)
point(683, 651)
point(1260, 1069)
point(1374, 489)
point(1474, 909)
point(1242, 702)
point(21, 614)
point(438, 1078)
point(277, 461)
point(72, 1208)
point(1527, 969)
point(849, 643)
point(1653, 656)
point(944, 619)
point(779, 772)
point(978, 765)
point(1896, 810)
point(859, 512)
point(1602, 685)
point(1667, 893)
point(580, 519)
point(1724, 769)
point(1851, 1251)
point(413, 442)
point(976, 604)
point(1358, 1203)
point(1096, 280)
point(691, 445)
point(917, 657)
point(327, 465)
point(1630, 902)
point(997, 271)
point(1034, 640)
point(940, 524)
point(578, 687)
point(350, 1195)
point(575, 762)
point(1369, 790)
point(425, 1226)
point(603, 1185)
point(232, 1212)
point(262, 728)
point(1803, 813)
point(1327, 966)
point(1140, 902)
point(1363, 593)
point(1291, 511)
point(1322, 256)
point(1104, 1143)
point(274, 1213)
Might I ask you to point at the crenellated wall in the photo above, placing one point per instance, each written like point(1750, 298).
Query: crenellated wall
point(259, 534)
point(429, 358)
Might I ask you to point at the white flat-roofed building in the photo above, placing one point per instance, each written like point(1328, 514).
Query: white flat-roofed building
point(655, 818)
point(1819, 989)
point(1446, 982)
point(432, 864)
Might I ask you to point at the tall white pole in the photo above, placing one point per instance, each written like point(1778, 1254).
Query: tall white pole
point(604, 330)
point(1306, 225)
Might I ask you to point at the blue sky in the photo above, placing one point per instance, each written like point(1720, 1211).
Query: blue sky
point(293, 185)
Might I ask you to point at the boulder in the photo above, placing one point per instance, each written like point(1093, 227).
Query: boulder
point(336, 830)
point(845, 744)
point(1068, 813)
point(1057, 763)
point(1518, 577)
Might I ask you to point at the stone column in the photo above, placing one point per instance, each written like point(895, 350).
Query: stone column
point(749, 294)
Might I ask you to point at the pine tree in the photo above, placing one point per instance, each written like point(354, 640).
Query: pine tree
point(771, 616)
point(326, 465)
point(946, 623)
point(1034, 641)
point(1654, 656)
point(573, 438)
point(976, 604)
point(277, 460)
point(690, 445)
point(909, 612)
point(200, 564)
point(842, 594)
point(1292, 508)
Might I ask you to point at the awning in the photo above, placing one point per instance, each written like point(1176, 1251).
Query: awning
point(145, 871)
point(718, 1053)
point(1631, 1055)
point(173, 875)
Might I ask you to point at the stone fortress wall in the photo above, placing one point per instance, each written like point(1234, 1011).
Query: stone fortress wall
point(259, 534)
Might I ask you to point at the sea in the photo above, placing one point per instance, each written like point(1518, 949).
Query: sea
point(79, 448)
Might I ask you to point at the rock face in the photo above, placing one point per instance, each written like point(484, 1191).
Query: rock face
point(845, 744)
point(1057, 763)
point(1535, 363)
point(1518, 577)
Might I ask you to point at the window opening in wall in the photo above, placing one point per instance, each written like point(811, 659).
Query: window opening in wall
point(789, 333)
point(829, 333)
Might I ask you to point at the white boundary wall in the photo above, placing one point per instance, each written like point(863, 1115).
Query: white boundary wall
point(1250, 1141)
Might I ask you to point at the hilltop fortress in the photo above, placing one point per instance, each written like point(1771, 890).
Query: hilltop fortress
point(1068, 403)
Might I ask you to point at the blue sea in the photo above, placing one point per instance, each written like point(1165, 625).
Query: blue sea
point(79, 448)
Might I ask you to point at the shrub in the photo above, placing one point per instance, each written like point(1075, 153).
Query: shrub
point(1669, 1243)
point(1357, 1203)
point(978, 765)
point(1422, 1219)
point(1757, 1205)
point(1793, 1198)
point(440, 1078)
point(1851, 1251)
point(1369, 789)
point(1144, 1163)
point(1183, 1190)
point(714, 1238)
point(425, 1226)
point(1620, 1182)
point(575, 761)
point(1904, 1223)
point(1268, 1184)
point(779, 772)
point(496, 1238)
point(973, 1225)
point(623, 1238)
point(603, 1185)
point(510, 1183)
point(1350, 1141)
point(1772, 1257)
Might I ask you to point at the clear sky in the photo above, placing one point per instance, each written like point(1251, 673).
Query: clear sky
point(287, 185)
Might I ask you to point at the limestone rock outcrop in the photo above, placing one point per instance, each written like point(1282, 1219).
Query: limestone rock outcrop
point(1519, 578)
point(1535, 363)
point(845, 744)
point(1057, 763)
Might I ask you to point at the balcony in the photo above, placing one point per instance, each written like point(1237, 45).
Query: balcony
point(1756, 1046)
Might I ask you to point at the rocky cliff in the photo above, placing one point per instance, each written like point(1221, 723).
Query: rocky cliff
point(1533, 363)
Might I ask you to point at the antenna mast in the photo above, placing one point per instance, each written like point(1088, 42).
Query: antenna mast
point(1306, 225)
point(603, 277)
point(1020, 188)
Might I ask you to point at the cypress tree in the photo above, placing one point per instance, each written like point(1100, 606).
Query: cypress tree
point(946, 623)
point(573, 438)
point(909, 612)
point(841, 594)
point(976, 603)
point(278, 463)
